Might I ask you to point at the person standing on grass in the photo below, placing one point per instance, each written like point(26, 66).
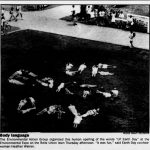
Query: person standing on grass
point(74, 15)
point(18, 11)
point(131, 37)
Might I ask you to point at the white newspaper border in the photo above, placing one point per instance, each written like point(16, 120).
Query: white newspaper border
point(85, 135)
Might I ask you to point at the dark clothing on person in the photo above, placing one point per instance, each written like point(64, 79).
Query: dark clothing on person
point(12, 17)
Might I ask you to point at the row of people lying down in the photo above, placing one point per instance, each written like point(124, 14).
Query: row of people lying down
point(95, 69)
point(87, 89)
point(25, 77)
point(83, 92)
point(80, 106)
point(22, 77)
point(28, 104)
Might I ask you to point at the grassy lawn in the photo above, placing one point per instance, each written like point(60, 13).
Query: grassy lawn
point(142, 10)
point(46, 55)
point(133, 9)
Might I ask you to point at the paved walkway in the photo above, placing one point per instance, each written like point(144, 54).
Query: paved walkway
point(49, 21)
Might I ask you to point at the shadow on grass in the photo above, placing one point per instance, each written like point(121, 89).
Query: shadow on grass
point(12, 29)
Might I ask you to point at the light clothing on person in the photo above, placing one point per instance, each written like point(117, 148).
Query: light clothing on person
point(73, 110)
point(86, 93)
point(121, 15)
point(104, 73)
point(113, 17)
point(115, 92)
point(77, 121)
point(102, 13)
point(92, 112)
point(27, 110)
point(130, 19)
point(94, 71)
point(61, 86)
point(3, 11)
point(82, 67)
point(105, 66)
point(19, 8)
point(96, 12)
point(21, 104)
point(105, 94)
point(77, 118)
point(47, 81)
point(18, 11)
point(24, 102)
point(88, 85)
point(88, 10)
point(69, 66)
point(70, 73)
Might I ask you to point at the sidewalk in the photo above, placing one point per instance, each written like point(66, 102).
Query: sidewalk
point(49, 21)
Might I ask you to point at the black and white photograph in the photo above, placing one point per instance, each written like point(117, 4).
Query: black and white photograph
point(75, 68)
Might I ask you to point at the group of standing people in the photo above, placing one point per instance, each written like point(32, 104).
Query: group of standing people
point(14, 14)
point(101, 14)
point(18, 13)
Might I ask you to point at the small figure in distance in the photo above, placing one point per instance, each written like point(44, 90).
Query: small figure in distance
point(18, 11)
point(131, 37)
point(74, 15)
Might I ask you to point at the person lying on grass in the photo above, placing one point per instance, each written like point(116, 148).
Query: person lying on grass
point(21, 77)
point(47, 82)
point(74, 83)
point(53, 109)
point(105, 66)
point(62, 86)
point(86, 93)
point(69, 66)
point(81, 68)
point(105, 73)
point(29, 103)
point(88, 85)
point(78, 118)
point(94, 71)
point(112, 94)
point(70, 73)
